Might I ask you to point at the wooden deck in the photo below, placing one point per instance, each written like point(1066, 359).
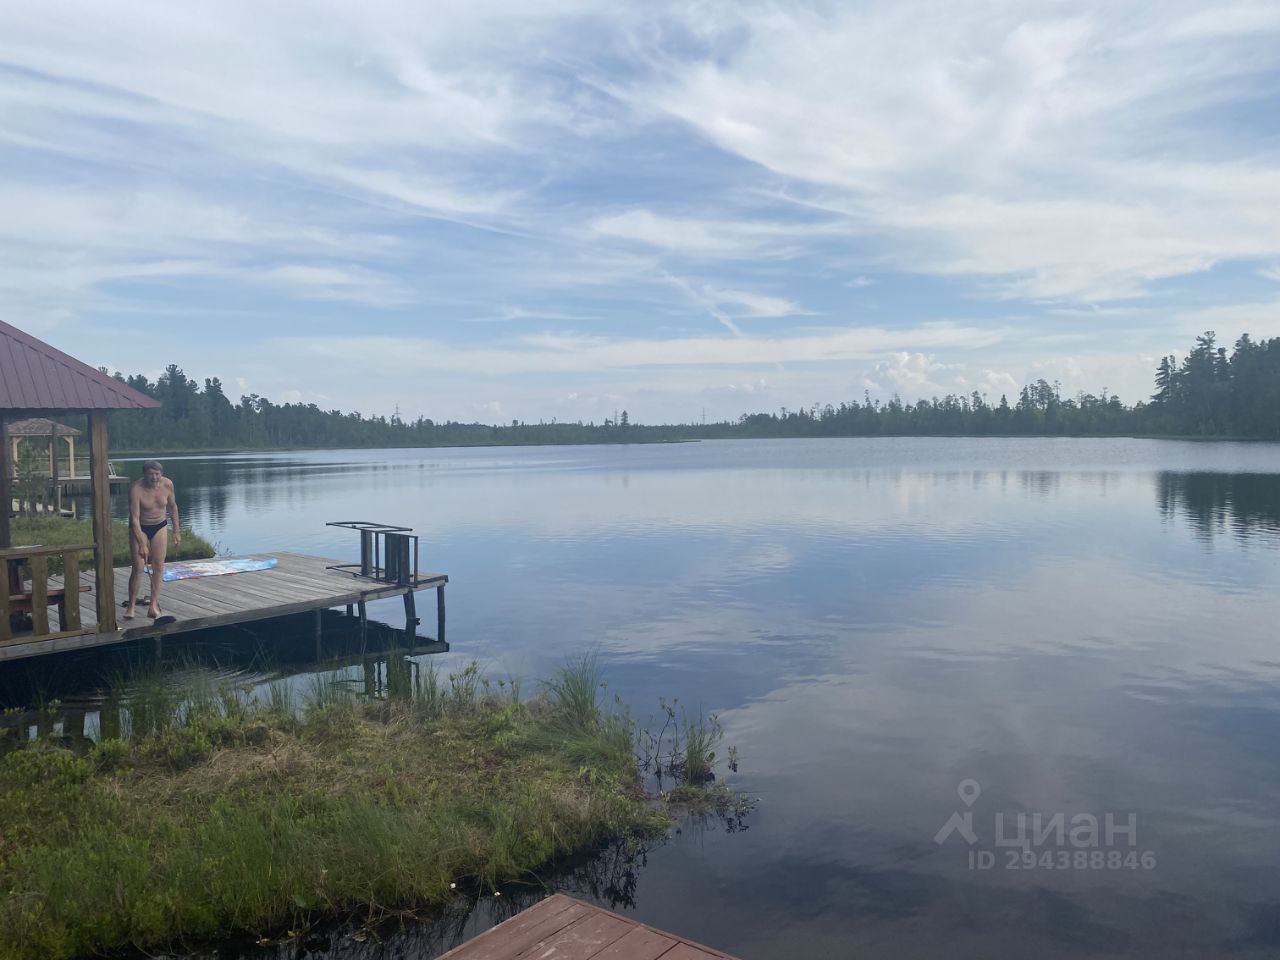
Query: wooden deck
point(297, 584)
point(561, 928)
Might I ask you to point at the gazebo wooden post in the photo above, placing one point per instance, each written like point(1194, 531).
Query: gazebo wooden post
point(100, 483)
point(5, 493)
point(53, 472)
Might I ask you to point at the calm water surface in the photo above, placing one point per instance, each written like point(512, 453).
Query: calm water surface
point(1084, 628)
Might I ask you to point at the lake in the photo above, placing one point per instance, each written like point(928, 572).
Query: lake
point(926, 651)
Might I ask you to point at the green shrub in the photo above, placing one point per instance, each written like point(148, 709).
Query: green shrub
point(109, 753)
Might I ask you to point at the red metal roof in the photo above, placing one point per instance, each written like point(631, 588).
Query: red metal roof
point(36, 376)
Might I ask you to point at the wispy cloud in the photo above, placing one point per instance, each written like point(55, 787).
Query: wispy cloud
point(338, 283)
point(712, 237)
point(755, 304)
point(553, 352)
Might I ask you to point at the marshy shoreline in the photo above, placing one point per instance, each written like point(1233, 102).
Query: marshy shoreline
point(207, 810)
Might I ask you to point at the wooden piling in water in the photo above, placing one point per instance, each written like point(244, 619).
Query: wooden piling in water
point(411, 620)
point(440, 613)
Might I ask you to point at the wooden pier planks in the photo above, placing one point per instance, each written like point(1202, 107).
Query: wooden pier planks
point(561, 928)
point(299, 583)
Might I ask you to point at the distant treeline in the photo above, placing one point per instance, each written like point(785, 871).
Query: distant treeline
point(1210, 393)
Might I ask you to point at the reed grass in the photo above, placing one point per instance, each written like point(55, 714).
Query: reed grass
point(577, 726)
point(700, 739)
point(575, 691)
point(427, 693)
point(280, 699)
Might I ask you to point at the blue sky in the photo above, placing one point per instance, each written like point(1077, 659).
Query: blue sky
point(490, 210)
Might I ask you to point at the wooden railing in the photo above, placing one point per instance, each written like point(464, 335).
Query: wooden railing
point(79, 470)
point(19, 599)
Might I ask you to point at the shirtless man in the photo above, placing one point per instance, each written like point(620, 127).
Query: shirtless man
point(151, 503)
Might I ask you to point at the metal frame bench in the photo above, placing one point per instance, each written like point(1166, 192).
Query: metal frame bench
point(388, 553)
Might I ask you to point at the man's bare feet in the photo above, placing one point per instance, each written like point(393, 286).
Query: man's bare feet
point(128, 612)
point(153, 611)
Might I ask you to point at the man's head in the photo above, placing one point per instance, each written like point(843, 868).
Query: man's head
point(152, 471)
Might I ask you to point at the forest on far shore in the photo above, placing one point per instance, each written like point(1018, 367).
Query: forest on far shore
point(1211, 392)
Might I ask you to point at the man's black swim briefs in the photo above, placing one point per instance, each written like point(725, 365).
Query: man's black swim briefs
point(151, 529)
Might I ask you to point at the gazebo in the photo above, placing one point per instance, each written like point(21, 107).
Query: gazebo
point(42, 428)
point(37, 379)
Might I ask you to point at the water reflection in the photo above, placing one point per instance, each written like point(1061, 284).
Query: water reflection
point(1241, 505)
point(83, 696)
point(1043, 483)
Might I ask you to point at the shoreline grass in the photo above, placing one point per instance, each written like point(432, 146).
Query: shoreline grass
point(56, 531)
point(212, 810)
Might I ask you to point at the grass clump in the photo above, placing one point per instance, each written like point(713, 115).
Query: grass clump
point(700, 738)
point(54, 531)
point(577, 726)
point(215, 809)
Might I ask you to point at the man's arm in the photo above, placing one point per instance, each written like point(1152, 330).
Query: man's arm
point(173, 512)
point(135, 512)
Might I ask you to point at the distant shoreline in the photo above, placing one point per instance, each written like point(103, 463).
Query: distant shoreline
point(383, 446)
point(195, 451)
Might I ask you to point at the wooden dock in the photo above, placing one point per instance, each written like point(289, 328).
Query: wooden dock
point(561, 928)
point(297, 584)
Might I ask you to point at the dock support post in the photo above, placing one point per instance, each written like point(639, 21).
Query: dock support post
point(364, 624)
point(351, 610)
point(319, 631)
point(440, 613)
point(411, 620)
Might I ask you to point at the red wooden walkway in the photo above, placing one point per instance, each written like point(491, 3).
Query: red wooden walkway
point(561, 928)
